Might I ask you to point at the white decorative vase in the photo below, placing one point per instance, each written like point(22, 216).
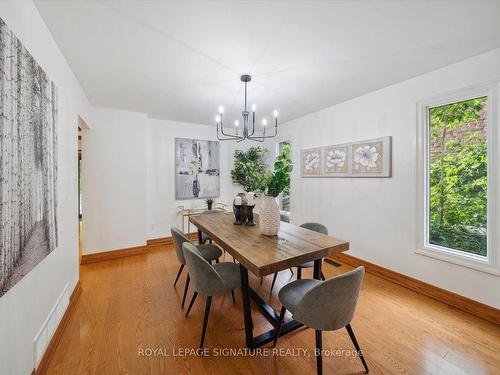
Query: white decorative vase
point(269, 216)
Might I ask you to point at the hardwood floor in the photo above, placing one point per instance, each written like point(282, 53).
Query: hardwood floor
point(129, 308)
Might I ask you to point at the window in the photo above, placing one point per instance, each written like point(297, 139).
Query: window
point(284, 197)
point(456, 178)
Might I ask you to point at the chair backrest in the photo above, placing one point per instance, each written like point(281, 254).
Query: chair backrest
point(317, 227)
point(330, 305)
point(285, 218)
point(179, 238)
point(204, 277)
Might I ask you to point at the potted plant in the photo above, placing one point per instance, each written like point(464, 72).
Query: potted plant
point(271, 184)
point(210, 202)
point(248, 169)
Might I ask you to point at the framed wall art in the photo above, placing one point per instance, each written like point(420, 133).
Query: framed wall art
point(370, 158)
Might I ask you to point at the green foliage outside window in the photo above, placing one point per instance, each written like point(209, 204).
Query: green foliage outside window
point(458, 177)
point(285, 147)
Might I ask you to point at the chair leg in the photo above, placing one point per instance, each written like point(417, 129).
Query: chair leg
point(356, 345)
point(205, 320)
point(191, 303)
point(179, 274)
point(185, 291)
point(323, 276)
point(319, 348)
point(261, 281)
point(291, 271)
point(274, 280)
point(299, 273)
point(234, 298)
point(278, 327)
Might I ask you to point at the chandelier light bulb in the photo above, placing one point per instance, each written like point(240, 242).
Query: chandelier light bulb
point(275, 113)
point(221, 110)
point(254, 107)
point(236, 123)
point(264, 122)
point(217, 119)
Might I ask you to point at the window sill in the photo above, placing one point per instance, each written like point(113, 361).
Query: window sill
point(470, 261)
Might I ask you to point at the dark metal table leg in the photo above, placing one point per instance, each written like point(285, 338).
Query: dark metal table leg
point(200, 237)
point(266, 310)
point(317, 269)
point(247, 311)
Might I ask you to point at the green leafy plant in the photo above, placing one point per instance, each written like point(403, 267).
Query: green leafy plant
point(273, 183)
point(209, 202)
point(249, 168)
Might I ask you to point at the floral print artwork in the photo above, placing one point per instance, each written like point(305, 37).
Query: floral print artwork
point(367, 157)
point(311, 162)
point(336, 160)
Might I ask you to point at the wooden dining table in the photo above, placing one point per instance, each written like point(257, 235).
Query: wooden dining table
point(264, 255)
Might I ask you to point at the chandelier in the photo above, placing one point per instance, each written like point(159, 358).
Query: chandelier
point(245, 131)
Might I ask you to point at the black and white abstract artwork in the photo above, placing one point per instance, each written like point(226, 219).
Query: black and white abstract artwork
point(197, 169)
point(28, 161)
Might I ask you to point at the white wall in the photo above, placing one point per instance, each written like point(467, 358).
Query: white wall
point(24, 308)
point(114, 157)
point(378, 216)
point(129, 178)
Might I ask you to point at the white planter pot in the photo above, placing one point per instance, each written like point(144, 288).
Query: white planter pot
point(269, 216)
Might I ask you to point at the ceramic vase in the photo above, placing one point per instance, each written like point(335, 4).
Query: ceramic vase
point(269, 216)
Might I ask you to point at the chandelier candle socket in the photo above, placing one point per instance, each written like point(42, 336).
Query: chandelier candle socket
point(247, 131)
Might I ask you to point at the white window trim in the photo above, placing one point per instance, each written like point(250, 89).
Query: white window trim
point(490, 263)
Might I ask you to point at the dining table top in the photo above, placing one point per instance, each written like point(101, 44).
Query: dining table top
point(263, 255)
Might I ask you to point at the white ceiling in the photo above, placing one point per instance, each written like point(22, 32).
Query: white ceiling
point(181, 60)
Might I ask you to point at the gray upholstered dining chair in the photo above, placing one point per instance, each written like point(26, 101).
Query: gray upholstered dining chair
point(324, 306)
point(316, 227)
point(205, 237)
point(209, 253)
point(284, 217)
point(209, 280)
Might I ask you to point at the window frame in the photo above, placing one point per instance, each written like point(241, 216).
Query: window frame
point(489, 263)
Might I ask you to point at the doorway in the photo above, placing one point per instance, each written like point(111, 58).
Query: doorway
point(82, 131)
point(80, 198)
